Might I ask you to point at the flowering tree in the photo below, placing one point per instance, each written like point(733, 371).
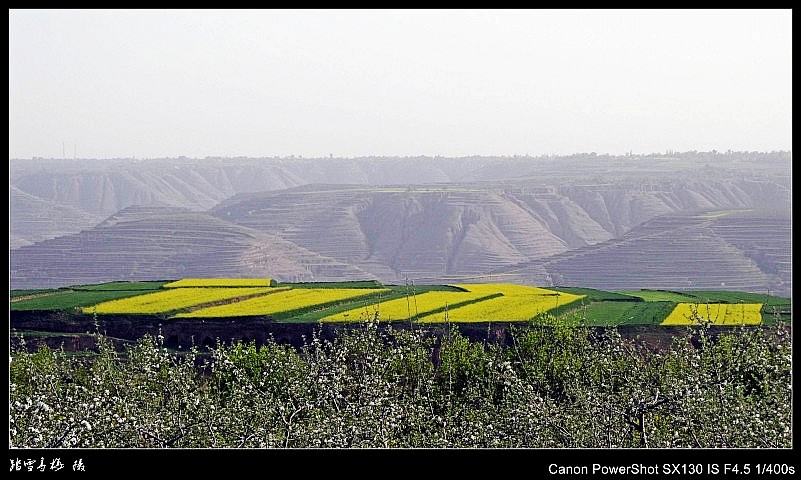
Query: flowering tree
point(554, 385)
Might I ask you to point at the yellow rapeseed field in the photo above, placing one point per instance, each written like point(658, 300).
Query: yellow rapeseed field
point(174, 299)
point(514, 305)
point(219, 282)
point(400, 308)
point(717, 313)
point(281, 302)
point(505, 288)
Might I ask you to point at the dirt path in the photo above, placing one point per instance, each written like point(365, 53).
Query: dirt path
point(31, 296)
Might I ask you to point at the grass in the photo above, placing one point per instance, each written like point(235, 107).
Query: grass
point(69, 299)
point(648, 313)
point(621, 313)
point(35, 291)
point(508, 289)
point(356, 284)
point(771, 315)
point(121, 286)
point(659, 295)
point(722, 296)
point(417, 289)
point(601, 313)
point(599, 295)
point(221, 282)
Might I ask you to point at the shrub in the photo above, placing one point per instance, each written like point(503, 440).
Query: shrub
point(555, 385)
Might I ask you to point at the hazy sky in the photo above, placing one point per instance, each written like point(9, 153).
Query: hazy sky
point(354, 83)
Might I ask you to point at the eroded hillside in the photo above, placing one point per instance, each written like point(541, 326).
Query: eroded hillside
point(583, 219)
point(168, 242)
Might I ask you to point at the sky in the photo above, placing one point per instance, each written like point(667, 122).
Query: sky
point(349, 83)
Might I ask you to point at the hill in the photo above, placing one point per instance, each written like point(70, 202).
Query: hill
point(724, 250)
point(541, 220)
point(143, 243)
point(35, 219)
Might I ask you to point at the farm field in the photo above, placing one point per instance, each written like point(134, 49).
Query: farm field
point(405, 308)
point(355, 284)
point(173, 299)
point(598, 295)
point(290, 300)
point(340, 302)
point(601, 313)
point(364, 306)
point(25, 292)
point(737, 297)
point(508, 289)
point(773, 308)
point(70, 299)
point(513, 303)
point(717, 313)
point(221, 282)
point(659, 295)
point(121, 286)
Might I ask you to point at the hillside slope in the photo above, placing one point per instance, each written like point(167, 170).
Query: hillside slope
point(94, 187)
point(166, 242)
point(35, 219)
point(723, 251)
point(422, 218)
point(396, 233)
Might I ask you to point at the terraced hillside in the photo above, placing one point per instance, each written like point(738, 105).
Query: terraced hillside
point(437, 233)
point(107, 186)
point(35, 219)
point(392, 232)
point(431, 220)
point(103, 187)
point(165, 242)
point(702, 251)
point(764, 237)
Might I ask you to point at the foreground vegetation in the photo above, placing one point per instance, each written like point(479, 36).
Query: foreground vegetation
point(556, 385)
